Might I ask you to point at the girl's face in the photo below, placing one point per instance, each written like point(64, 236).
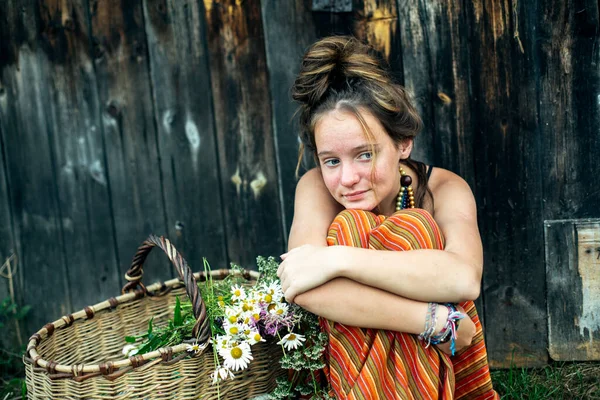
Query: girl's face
point(355, 178)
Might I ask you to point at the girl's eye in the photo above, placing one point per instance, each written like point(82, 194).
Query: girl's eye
point(331, 162)
point(366, 156)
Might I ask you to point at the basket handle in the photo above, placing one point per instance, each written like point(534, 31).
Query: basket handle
point(135, 273)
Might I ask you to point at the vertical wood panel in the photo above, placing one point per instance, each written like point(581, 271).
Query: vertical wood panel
point(31, 168)
point(570, 107)
point(508, 180)
point(244, 127)
point(436, 67)
point(376, 22)
point(284, 20)
point(184, 117)
point(13, 336)
point(81, 182)
point(572, 265)
point(134, 175)
point(418, 72)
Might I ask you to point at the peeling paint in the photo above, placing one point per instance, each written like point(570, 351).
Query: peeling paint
point(258, 184)
point(566, 56)
point(167, 120)
point(237, 180)
point(208, 5)
point(193, 136)
point(444, 98)
point(97, 172)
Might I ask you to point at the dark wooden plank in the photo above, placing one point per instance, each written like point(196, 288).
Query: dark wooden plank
point(436, 68)
point(376, 22)
point(509, 180)
point(418, 72)
point(74, 124)
point(244, 127)
point(289, 30)
point(13, 334)
point(31, 168)
point(572, 265)
point(176, 34)
point(128, 124)
point(568, 51)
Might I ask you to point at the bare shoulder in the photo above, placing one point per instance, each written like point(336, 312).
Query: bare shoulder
point(452, 195)
point(314, 209)
point(310, 178)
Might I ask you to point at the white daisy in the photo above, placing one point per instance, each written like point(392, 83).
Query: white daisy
point(238, 293)
point(292, 341)
point(222, 341)
point(272, 292)
point(130, 350)
point(280, 309)
point(221, 374)
point(233, 329)
point(196, 347)
point(237, 357)
point(254, 337)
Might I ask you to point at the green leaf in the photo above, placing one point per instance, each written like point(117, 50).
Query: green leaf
point(130, 339)
point(150, 326)
point(22, 312)
point(177, 319)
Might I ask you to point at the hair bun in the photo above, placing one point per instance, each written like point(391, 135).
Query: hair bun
point(333, 63)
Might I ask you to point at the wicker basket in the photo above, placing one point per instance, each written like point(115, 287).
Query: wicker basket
point(79, 356)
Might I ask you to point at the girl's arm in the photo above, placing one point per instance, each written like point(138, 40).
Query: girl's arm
point(452, 275)
point(344, 300)
point(354, 304)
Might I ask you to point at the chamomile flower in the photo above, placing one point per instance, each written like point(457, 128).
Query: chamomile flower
point(237, 357)
point(280, 309)
point(292, 341)
point(221, 374)
point(196, 347)
point(233, 329)
point(238, 293)
point(222, 341)
point(254, 337)
point(130, 350)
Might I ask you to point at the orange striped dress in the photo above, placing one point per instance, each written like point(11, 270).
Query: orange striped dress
point(380, 364)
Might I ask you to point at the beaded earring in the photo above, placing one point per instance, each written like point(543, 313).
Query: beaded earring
point(406, 197)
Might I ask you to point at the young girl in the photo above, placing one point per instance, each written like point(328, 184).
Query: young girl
point(394, 318)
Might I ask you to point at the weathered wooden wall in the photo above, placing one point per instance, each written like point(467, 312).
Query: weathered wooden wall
point(120, 119)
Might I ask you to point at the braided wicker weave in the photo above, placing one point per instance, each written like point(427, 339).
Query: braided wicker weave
point(79, 356)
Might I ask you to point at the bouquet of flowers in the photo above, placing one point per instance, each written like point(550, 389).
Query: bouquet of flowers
point(241, 314)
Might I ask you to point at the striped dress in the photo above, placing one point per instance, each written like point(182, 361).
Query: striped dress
point(381, 364)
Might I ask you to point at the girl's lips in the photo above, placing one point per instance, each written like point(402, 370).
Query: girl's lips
point(355, 195)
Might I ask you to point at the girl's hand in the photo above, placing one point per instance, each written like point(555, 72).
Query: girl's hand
point(464, 334)
point(305, 268)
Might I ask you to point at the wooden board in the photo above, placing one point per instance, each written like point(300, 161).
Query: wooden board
point(129, 130)
point(509, 180)
point(9, 289)
point(284, 20)
point(569, 114)
point(184, 118)
point(81, 182)
point(436, 69)
point(573, 279)
point(31, 169)
point(244, 128)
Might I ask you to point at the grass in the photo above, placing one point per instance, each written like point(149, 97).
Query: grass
point(559, 380)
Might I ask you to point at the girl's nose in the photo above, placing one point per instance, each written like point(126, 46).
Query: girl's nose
point(350, 176)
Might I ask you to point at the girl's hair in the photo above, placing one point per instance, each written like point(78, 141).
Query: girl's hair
point(340, 72)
